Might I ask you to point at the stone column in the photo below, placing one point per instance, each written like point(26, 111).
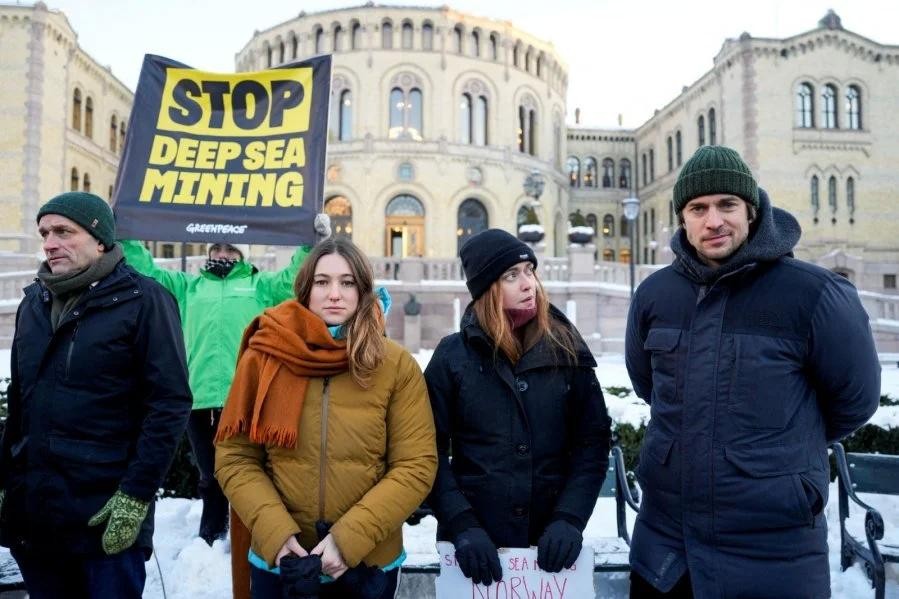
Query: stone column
point(581, 270)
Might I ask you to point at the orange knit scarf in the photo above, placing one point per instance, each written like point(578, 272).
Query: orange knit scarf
point(280, 351)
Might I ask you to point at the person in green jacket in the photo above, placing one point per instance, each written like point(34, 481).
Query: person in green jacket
point(216, 306)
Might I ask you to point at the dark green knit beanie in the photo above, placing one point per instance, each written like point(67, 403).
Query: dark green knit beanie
point(711, 170)
point(86, 209)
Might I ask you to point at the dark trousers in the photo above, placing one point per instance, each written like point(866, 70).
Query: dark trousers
point(265, 585)
point(641, 589)
point(55, 575)
point(201, 430)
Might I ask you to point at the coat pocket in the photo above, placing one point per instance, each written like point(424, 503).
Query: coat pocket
point(760, 488)
point(663, 345)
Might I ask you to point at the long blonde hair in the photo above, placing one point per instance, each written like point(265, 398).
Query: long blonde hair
point(489, 311)
point(364, 331)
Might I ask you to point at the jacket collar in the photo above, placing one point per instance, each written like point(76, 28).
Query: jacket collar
point(774, 237)
point(118, 286)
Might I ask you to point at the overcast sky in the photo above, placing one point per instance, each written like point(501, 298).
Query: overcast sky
point(625, 58)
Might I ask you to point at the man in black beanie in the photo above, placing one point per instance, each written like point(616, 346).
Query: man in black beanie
point(98, 401)
point(752, 362)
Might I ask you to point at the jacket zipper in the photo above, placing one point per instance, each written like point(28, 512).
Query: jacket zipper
point(324, 450)
point(71, 349)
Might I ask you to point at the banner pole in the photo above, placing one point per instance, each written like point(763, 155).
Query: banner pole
point(183, 256)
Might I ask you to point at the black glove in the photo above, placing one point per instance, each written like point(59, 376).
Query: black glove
point(559, 546)
point(477, 556)
point(300, 576)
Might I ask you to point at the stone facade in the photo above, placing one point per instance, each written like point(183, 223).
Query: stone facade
point(63, 119)
point(786, 105)
point(437, 117)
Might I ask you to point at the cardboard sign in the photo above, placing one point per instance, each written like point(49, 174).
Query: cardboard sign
point(522, 578)
point(236, 158)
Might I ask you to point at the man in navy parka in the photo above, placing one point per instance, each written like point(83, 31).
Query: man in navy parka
point(752, 362)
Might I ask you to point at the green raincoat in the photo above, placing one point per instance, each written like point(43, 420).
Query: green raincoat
point(215, 312)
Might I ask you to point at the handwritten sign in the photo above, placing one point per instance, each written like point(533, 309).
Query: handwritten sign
point(522, 577)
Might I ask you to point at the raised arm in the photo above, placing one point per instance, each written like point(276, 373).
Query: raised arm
point(140, 259)
point(278, 286)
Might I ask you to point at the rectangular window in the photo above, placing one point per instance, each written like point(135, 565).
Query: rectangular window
point(889, 281)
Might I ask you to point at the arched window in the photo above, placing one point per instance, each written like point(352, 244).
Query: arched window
point(700, 129)
point(76, 110)
point(527, 126)
point(805, 106)
point(471, 220)
point(405, 205)
point(356, 36)
point(540, 66)
point(528, 59)
point(624, 178)
point(268, 55)
point(113, 133)
point(475, 43)
point(280, 51)
point(854, 107)
point(644, 169)
point(345, 125)
point(516, 55)
point(318, 37)
point(669, 143)
point(850, 199)
point(337, 38)
point(829, 107)
point(494, 46)
point(679, 148)
point(473, 115)
point(86, 182)
point(573, 168)
point(608, 226)
point(405, 109)
point(713, 128)
point(591, 222)
point(387, 35)
point(590, 172)
point(294, 45)
point(122, 135)
point(341, 212)
point(465, 124)
point(89, 117)
point(406, 35)
point(427, 36)
point(652, 165)
point(608, 172)
point(832, 196)
point(623, 230)
point(608, 255)
point(73, 186)
point(814, 198)
point(457, 39)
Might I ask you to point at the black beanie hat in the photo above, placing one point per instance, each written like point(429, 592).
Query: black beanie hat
point(711, 170)
point(487, 255)
point(86, 209)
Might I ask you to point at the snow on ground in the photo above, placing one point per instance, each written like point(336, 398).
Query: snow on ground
point(192, 570)
point(200, 572)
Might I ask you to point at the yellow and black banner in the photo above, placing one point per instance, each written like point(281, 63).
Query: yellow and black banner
point(234, 158)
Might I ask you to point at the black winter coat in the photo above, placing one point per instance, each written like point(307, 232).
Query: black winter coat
point(530, 441)
point(750, 370)
point(97, 406)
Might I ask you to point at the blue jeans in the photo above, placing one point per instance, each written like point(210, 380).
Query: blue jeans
point(266, 585)
point(55, 575)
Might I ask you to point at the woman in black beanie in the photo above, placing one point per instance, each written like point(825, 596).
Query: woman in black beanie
point(515, 395)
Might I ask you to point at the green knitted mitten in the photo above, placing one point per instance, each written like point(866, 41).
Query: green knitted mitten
point(125, 515)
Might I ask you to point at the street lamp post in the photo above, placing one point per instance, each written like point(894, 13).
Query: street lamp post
point(631, 207)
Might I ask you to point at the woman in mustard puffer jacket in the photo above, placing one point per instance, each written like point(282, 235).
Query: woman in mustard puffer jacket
point(327, 441)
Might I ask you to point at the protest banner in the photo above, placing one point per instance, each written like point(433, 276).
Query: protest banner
point(522, 578)
point(236, 158)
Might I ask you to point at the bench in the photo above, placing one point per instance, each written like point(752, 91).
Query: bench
point(866, 473)
point(611, 553)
